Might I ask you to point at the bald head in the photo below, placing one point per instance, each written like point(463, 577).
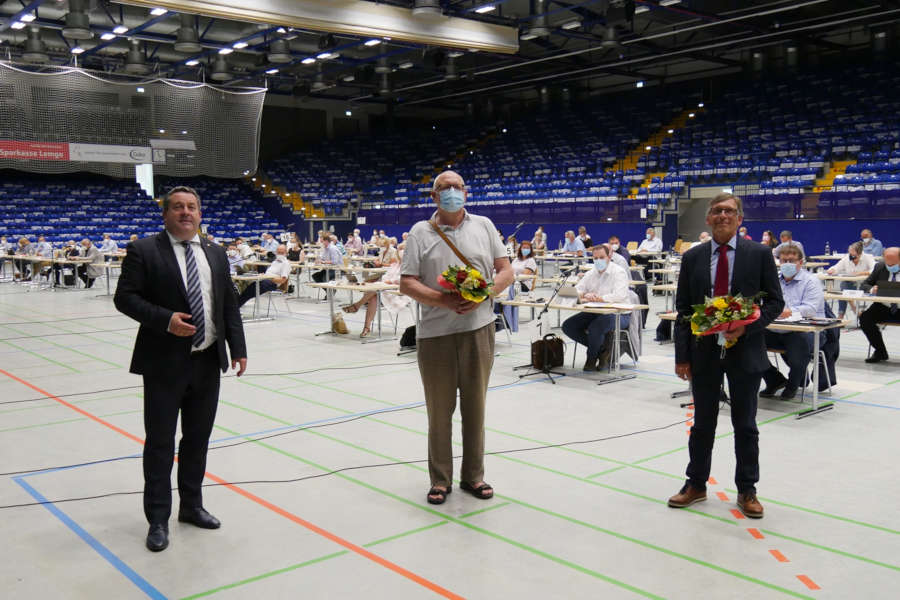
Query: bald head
point(281, 250)
point(891, 255)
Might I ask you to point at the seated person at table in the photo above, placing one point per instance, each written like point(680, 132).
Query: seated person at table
point(108, 244)
point(4, 245)
point(402, 245)
point(25, 248)
point(388, 254)
point(235, 261)
point(742, 232)
point(88, 272)
point(584, 237)
point(280, 268)
point(573, 245)
point(768, 239)
point(329, 255)
point(69, 250)
point(871, 246)
point(605, 282)
point(244, 248)
point(787, 239)
point(354, 245)
point(269, 245)
point(524, 264)
point(43, 249)
point(393, 302)
point(650, 244)
point(803, 296)
point(889, 270)
point(539, 241)
point(856, 263)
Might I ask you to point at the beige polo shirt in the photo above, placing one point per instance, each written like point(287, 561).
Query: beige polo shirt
point(427, 256)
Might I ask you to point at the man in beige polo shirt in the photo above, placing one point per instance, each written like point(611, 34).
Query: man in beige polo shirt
point(455, 337)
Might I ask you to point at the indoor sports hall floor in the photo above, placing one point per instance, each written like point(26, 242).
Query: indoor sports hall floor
point(580, 521)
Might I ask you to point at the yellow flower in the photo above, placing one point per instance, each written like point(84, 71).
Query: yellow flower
point(695, 329)
point(720, 303)
point(469, 296)
point(474, 274)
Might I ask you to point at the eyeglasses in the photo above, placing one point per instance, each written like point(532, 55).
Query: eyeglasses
point(853, 257)
point(455, 186)
point(728, 212)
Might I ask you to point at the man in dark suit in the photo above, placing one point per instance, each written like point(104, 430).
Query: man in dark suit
point(889, 270)
point(727, 264)
point(178, 287)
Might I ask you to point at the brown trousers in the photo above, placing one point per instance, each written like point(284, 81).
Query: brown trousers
point(459, 361)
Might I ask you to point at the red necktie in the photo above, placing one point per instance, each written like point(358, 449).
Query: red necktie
point(721, 286)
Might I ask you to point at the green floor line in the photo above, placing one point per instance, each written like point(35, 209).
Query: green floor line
point(404, 534)
point(567, 475)
point(265, 575)
point(75, 351)
point(457, 520)
point(484, 510)
point(38, 425)
point(832, 550)
point(588, 480)
point(824, 514)
point(50, 360)
point(613, 470)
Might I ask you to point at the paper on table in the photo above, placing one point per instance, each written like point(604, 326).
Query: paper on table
point(607, 305)
point(794, 317)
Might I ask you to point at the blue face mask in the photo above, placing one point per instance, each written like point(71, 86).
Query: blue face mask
point(788, 270)
point(526, 251)
point(600, 264)
point(452, 200)
point(893, 268)
point(647, 236)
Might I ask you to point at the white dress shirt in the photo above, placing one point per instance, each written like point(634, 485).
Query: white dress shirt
point(845, 266)
point(654, 245)
point(280, 267)
point(611, 285)
point(206, 289)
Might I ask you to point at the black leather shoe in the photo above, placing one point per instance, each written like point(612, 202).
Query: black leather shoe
point(789, 392)
point(158, 537)
point(199, 517)
point(590, 364)
point(771, 390)
point(877, 357)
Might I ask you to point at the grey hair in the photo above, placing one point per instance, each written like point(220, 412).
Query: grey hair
point(434, 184)
point(179, 189)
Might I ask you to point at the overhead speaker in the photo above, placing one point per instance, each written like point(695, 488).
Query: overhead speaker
point(427, 7)
point(220, 70)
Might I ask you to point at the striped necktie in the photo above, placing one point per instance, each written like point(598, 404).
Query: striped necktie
point(195, 297)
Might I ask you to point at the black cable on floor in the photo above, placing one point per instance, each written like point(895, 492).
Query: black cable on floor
point(344, 469)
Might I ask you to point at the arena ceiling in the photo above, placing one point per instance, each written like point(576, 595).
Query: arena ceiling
point(441, 53)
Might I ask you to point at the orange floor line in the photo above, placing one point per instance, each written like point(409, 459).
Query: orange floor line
point(808, 582)
point(779, 556)
point(755, 533)
point(264, 503)
point(713, 481)
point(737, 514)
point(721, 496)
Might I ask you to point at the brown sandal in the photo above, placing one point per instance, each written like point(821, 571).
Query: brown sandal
point(441, 495)
point(484, 492)
point(365, 332)
point(350, 308)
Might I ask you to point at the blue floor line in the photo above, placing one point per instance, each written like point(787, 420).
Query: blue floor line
point(102, 550)
point(872, 404)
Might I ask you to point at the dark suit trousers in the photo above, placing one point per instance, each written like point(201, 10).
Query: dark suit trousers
point(194, 391)
point(743, 388)
point(869, 320)
point(323, 275)
point(797, 348)
point(249, 293)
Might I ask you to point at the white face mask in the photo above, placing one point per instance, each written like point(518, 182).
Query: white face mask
point(614, 247)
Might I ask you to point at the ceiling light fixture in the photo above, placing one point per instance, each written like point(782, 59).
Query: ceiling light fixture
point(17, 25)
point(372, 42)
point(573, 24)
point(239, 45)
point(192, 63)
point(639, 84)
point(668, 2)
point(120, 29)
point(485, 9)
point(27, 18)
point(271, 71)
point(641, 9)
point(76, 50)
point(226, 50)
point(158, 12)
point(406, 65)
point(308, 60)
point(108, 36)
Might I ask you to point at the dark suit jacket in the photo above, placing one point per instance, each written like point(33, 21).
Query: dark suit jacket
point(754, 272)
point(879, 273)
point(151, 288)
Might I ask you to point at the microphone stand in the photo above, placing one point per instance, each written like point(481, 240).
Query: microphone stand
point(546, 368)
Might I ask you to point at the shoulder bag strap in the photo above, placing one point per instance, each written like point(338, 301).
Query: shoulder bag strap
point(449, 243)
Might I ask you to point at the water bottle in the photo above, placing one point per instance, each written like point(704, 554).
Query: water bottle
point(827, 248)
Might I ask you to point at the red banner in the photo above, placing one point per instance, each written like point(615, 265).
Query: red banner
point(33, 150)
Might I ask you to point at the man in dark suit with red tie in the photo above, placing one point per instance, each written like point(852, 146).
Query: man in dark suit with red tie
point(726, 264)
point(178, 287)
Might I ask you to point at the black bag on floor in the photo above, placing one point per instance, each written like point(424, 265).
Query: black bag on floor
point(548, 352)
point(408, 339)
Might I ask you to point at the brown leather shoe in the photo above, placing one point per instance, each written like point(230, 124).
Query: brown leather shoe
point(687, 496)
point(750, 506)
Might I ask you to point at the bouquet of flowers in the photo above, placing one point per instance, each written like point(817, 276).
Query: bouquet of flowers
point(466, 281)
point(721, 314)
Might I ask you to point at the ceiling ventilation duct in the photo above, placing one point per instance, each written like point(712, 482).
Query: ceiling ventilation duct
point(450, 72)
point(78, 24)
point(220, 69)
point(539, 26)
point(134, 62)
point(35, 49)
point(427, 7)
point(383, 66)
point(187, 40)
point(279, 52)
point(384, 88)
point(610, 39)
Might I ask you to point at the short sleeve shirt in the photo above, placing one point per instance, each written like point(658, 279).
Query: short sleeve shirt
point(427, 256)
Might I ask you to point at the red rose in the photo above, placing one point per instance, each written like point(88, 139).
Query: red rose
point(444, 283)
point(710, 311)
point(735, 306)
point(483, 284)
point(461, 276)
